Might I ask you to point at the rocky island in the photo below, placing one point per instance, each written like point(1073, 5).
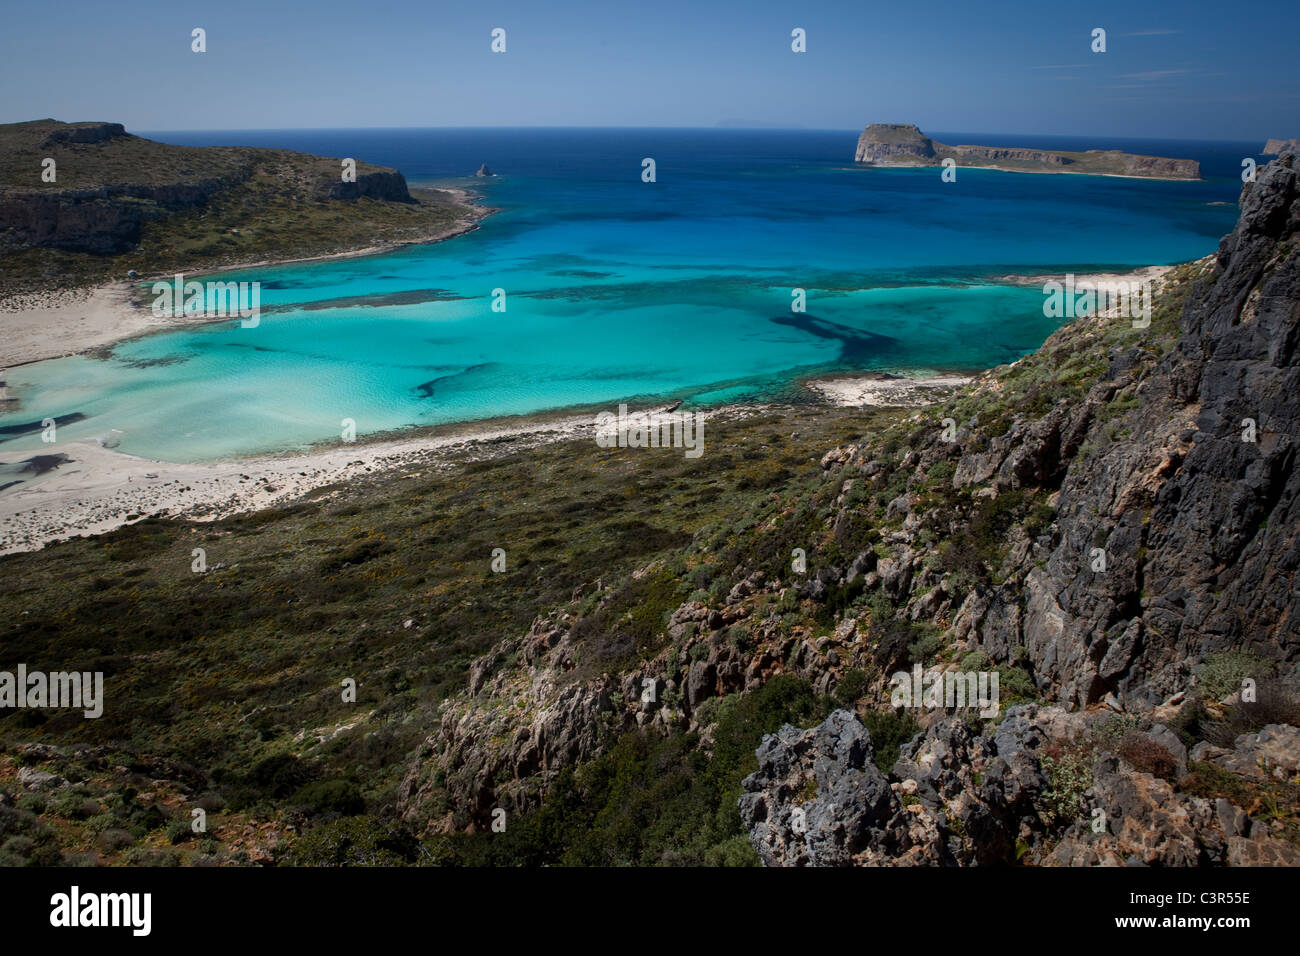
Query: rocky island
point(902, 144)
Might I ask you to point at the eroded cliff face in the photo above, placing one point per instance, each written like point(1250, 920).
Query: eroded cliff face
point(117, 182)
point(1275, 146)
point(976, 525)
point(884, 144)
point(387, 185)
point(1199, 526)
point(959, 797)
point(102, 221)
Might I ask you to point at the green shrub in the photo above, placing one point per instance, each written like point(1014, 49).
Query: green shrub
point(354, 841)
point(1014, 686)
point(1222, 674)
point(925, 646)
point(329, 797)
point(852, 686)
point(33, 802)
point(1068, 765)
point(179, 831)
point(889, 730)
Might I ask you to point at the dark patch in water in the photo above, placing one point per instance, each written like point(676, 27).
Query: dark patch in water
point(154, 362)
point(284, 284)
point(27, 428)
point(409, 297)
point(426, 389)
point(856, 346)
point(581, 274)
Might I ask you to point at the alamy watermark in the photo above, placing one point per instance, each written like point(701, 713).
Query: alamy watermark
point(80, 690)
point(209, 300)
point(948, 689)
point(1119, 298)
point(127, 910)
point(651, 430)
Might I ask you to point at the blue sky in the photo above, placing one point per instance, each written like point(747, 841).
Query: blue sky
point(1187, 69)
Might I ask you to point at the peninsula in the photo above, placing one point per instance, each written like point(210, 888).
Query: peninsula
point(902, 144)
point(85, 203)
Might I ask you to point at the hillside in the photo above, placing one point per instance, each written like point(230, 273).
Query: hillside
point(653, 681)
point(121, 203)
point(898, 144)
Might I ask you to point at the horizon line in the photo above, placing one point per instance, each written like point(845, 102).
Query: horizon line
point(714, 127)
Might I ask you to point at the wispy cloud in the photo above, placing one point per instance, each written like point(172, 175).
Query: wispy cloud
point(1153, 74)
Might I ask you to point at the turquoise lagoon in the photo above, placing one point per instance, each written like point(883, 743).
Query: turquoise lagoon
point(620, 290)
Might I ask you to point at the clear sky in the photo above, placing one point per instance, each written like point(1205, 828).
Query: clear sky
point(1203, 69)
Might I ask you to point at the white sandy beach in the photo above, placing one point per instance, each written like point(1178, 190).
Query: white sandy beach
point(862, 390)
point(98, 489)
point(54, 324)
point(46, 325)
point(1154, 274)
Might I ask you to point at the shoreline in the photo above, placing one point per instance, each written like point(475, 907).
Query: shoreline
point(80, 320)
point(96, 489)
point(875, 390)
point(1154, 274)
point(1045, 172)
point(83, 489)
point(89, 490)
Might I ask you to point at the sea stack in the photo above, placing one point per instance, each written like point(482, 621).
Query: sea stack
point(484, 171)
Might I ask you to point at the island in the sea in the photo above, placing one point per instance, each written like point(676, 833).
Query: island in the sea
point(902, 144)
point(1275, 147)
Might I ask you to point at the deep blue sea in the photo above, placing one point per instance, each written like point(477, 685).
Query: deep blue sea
point(618, 289)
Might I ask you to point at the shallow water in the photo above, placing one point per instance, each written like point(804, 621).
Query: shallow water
point(618, 289)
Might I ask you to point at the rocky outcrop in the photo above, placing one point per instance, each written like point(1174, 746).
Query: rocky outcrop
point(102, 221)
point(882, 143)
point(957, 797)
point(1192, 494)
point(1200, 524)
point(1276, 146)
point(886, 144)
point(487, 753)
point(388, 185)
point(83, 133)
point(483, 171)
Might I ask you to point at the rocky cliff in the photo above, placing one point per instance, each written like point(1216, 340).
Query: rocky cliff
point(101, 221)
point(1275, 146)
point(958, 797)
point(107, 188)
point(385, 185)
point(970, 536)
point(886, 144)
point(1194, 494)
